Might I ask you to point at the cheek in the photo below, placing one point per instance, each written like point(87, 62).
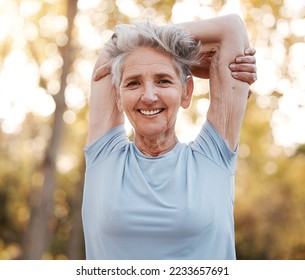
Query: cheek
point(126, 101)
point(175, 99)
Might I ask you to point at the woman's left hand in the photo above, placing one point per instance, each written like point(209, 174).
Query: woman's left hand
point(244, 67)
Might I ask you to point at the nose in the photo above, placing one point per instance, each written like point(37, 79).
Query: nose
point(149, 95)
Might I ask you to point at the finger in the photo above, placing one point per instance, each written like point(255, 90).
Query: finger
point(101, 72)
point(249, 78)
point(251, 68)
point(250, 93)
point(245, 59)
point(250, 51)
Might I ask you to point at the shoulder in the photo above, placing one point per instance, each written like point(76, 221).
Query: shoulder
point(212, 145)
point(114, 139)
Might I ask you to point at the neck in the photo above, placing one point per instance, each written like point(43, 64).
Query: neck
point(154, 147)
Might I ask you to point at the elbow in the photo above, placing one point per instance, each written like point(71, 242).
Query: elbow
point(234, 21)
point(236, 31)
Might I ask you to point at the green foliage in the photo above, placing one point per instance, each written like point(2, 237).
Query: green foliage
point(270, 194)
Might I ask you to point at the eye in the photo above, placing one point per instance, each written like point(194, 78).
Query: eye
point(164, 82)
point(133, 84)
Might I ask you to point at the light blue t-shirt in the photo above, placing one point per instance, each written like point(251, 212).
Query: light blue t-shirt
point(175, 206)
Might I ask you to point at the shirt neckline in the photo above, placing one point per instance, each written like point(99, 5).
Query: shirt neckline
point(167, 154)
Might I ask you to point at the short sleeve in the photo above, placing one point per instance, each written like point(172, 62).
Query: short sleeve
point(211, 144)
point(113, 140)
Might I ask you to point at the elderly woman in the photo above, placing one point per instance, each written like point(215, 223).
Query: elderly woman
point(157, 198)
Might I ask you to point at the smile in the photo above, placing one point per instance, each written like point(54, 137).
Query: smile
point(150, 112)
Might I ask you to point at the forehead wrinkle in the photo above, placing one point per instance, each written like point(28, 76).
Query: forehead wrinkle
point(146, 61)
point(142, 71)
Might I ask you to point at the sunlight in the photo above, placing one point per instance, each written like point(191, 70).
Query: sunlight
point(8, 11)
point(66, 163)
point(287, 127)
point(75, 97)
point(268, 75)
point(129, 8)
point(29, 7)
point(88, 36)
point(297, 65)
point(298, 27)
point(41, 103)
point(231, 6)
point(293, 8)
point(288, 118)
point(50, 65)
point(86, 5)
point(20, 92)
point(185, 10)
point(186, 130)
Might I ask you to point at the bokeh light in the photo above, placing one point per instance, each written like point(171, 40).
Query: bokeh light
point(26, 95)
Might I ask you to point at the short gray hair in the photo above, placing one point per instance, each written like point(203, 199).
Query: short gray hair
point(169, 39)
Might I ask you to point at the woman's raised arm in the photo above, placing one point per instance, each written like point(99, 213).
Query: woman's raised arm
point(103, 110)
point(226, 38)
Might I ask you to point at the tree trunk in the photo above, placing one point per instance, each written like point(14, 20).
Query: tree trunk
point(37, 237)
point(75, 249)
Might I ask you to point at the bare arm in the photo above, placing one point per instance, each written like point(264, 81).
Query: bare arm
point(226, 37)
point(103, 110)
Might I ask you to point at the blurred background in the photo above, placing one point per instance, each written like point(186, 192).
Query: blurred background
point(47, 52)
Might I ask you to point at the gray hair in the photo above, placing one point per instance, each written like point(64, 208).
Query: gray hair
point(169, 39)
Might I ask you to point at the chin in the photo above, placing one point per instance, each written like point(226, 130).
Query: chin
point(151, 130)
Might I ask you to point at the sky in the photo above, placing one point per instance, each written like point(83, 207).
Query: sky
point(19, 76)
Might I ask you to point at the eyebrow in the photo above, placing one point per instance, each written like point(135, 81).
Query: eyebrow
point(132, 77)
point(165, 75)
point(158, 75)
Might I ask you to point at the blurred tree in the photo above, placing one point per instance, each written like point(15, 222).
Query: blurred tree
point(37, 234)
point(270, 194)
point(41, 161)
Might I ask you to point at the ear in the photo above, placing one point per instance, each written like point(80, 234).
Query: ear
point(118, 99)
point(187, 95)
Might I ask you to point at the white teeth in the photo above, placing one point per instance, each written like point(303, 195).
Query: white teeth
point(150, 113)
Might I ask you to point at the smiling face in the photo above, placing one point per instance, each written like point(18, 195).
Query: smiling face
point(151, 93)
